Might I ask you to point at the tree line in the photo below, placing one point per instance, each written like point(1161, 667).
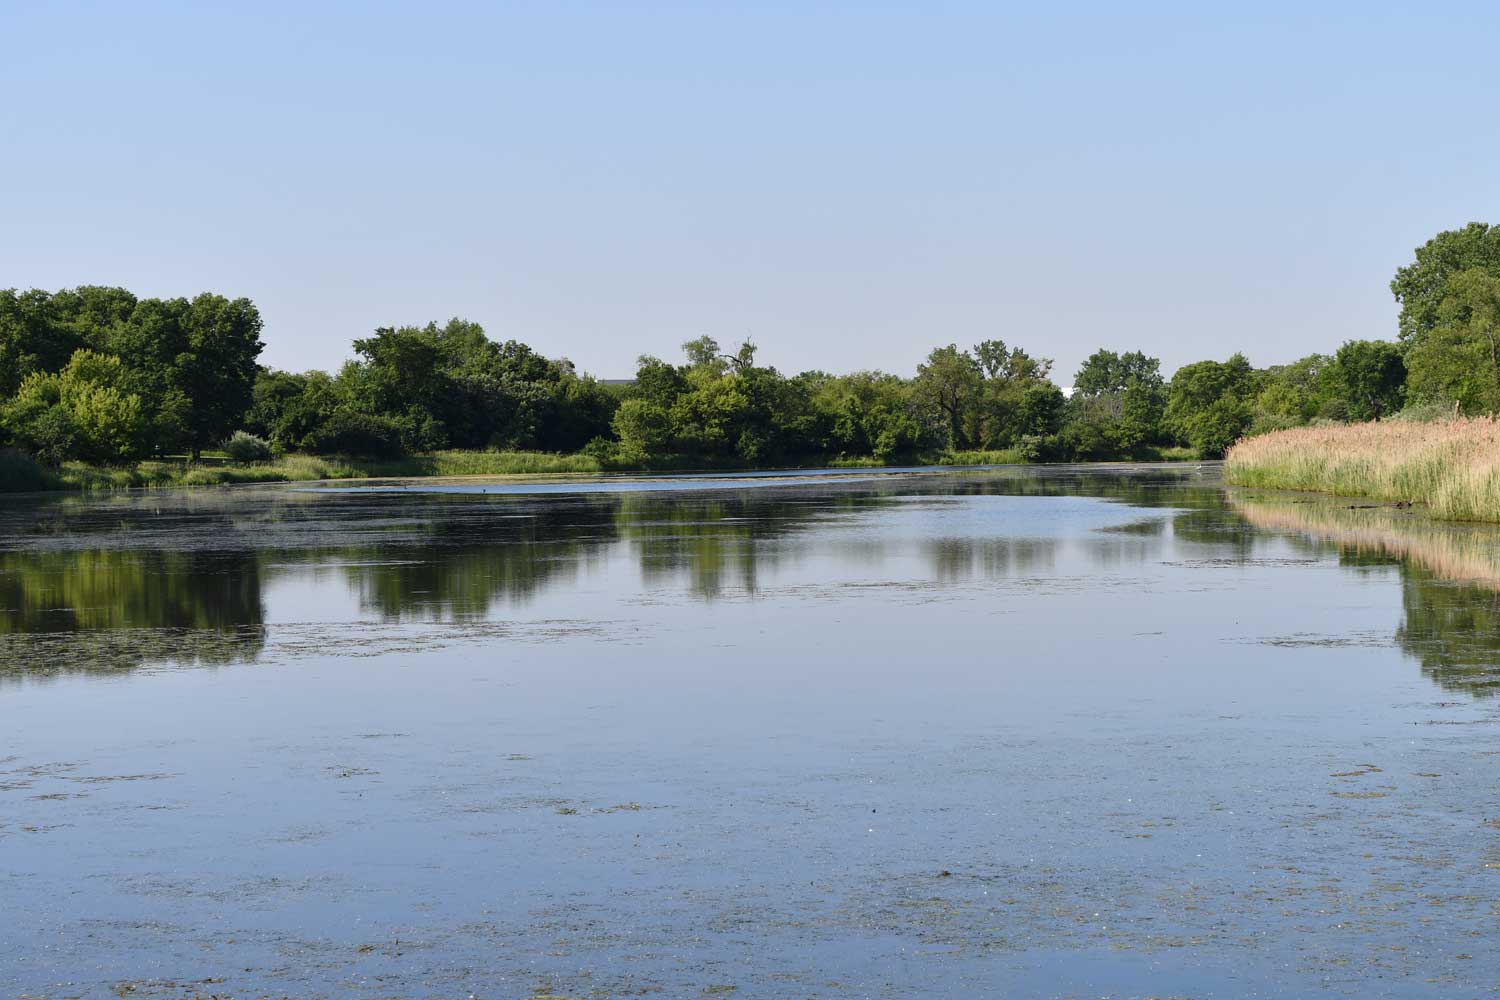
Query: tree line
point(98, 375)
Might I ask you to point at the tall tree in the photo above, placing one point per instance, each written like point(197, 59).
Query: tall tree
point(1371, 376)
point(1459, 358)
point(1207, 403)
point(949, 380)
point(32, 339)
point(217, 371)
point(704, 352)
point(1422, 285)
point(1105, 372)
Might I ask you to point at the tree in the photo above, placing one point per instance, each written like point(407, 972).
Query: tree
point(1223, 423)
point(217, 372)
point(658, 381)
point(1206, 403)
point(867, 413)
point(1122, 397)
point(1459, 358)
point(1422, 285)
point(80, 412)
point(193, 363)
point(32, 339)
point(1297, 392)
point(1371, 377)
point(644, 429)
point(949, 381)
point(703, 352)
point(1105, 372)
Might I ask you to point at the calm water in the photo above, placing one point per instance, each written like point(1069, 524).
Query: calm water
point(1024, 733)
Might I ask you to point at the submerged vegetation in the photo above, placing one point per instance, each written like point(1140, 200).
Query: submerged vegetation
point(1451, 466)
point(99, 389)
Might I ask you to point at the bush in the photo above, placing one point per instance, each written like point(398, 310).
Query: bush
point(245, 448)
point(1038, 447)
point(19, 472)
point(349, 432)
point(1429, 412)
point(601, 449)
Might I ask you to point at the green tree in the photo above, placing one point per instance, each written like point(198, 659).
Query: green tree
point(1421, 286)
point(1371, 377)
point(950, 381)
point(32, 338)
point(1459, 358)
point(1207, 403)
point(1295, 393)
point(217, 372)
point(80, 412)
point(1120, 400)
point(644, 428)
point(193, 363)
point(1106, 372)
point(658, 381)
point(704, 352)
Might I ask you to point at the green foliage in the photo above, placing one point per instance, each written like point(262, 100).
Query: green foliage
point(866, 413)
point(1298, 392)
point(1423, 285)
point(245, 448)
point(79, 412)
point(353, 432)
point(1371, 378)
point(1207, 403)
point(20, 473)
point(643, 427)
point(97, 375)
point(1118, 404)
point(1458, 358)
point(1105, 373)
point(949, 382)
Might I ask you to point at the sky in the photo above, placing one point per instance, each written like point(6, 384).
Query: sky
point(849, 185)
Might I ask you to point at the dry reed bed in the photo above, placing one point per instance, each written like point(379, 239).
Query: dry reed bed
point(1452, 466)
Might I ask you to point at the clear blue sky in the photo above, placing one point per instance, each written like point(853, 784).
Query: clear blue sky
point(849, 185)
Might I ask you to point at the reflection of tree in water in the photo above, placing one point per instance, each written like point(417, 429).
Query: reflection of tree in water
point(1450, 578)
point(479, 552)
point(989, 558)
point(1452, 630)
point(1204, 515)
point(100, 610)
point(725, 539)
point(176, 577)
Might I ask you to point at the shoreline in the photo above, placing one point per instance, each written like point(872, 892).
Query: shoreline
point(76, 478)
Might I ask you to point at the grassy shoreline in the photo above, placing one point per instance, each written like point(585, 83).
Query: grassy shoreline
point(18, 473)
point(1452, 467)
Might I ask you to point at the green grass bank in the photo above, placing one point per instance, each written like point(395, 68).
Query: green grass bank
point(19, 473)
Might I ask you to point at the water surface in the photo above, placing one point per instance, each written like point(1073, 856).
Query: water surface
point(1039, 733)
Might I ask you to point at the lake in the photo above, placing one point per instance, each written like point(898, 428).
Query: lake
point(1046, 732)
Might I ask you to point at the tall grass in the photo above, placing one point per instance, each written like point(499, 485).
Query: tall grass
point(18, 473)
point(1452, 466)
point(480, 463)
point(1002, 456)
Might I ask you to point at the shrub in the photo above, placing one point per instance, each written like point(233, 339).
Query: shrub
point(601, 449)
point(245, 448)
point(349, 432)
